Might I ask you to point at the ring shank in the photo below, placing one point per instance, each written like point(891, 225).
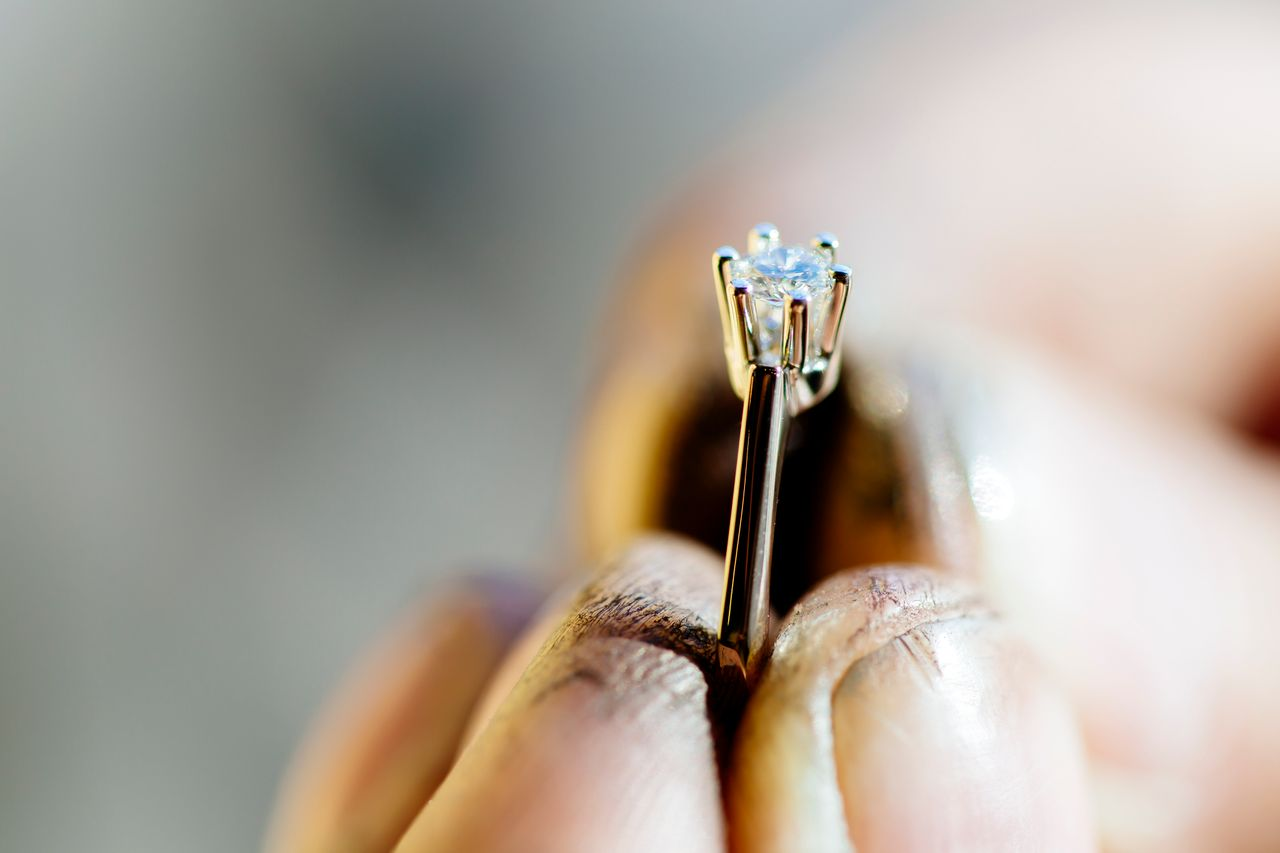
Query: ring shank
point(744, 614)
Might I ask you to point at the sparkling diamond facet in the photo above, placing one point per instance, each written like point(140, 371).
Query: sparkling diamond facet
point(785, 270)
point(776, 273)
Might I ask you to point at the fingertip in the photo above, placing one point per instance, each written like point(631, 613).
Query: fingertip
point(898, 714)
point(604, 742)
point(389, 734)
point(948, 737)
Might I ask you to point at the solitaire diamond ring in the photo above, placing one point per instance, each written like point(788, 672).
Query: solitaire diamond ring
point(781, 307)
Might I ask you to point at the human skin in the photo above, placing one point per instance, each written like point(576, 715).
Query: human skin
point(1093, 195)
point(612, 738)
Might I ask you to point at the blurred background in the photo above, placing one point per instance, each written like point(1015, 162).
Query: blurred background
point(298, 304)
point(294, 309)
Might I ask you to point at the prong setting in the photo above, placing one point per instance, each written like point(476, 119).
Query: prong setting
point(795, 332)
point(720, 261)
point(782, 305)
point(826, 243)
point(744, 323)
point(835, 317)
point(762, 238)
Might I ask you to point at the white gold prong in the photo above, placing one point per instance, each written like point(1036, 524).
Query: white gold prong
point(744, 322)
point(762, 238)
point(795, 331)
point(720, 273)
point(835, 314)
point(825, 242)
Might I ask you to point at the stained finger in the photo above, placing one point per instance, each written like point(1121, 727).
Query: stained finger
point(607, 740)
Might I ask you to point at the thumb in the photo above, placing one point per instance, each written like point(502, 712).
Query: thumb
point(897, 714)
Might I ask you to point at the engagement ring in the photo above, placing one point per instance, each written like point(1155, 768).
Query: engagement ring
point(781, 307)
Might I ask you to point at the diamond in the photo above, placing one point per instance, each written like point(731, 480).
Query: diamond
point(782, 271)
point(777, 272)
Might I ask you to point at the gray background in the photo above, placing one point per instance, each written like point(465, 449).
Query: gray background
point(294, 301)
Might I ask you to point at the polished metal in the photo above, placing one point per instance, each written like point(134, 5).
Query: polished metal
point(761, 238)
point(744, 615)
point(835, 317)
point(826, 242)
point(773, 391)
point(795, 332)
point(743, 318)
point(720, 269)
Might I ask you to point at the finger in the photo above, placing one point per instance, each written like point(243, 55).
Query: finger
point(605, 742)
point(897, 715)
point(391, 732)
point(518, 658)
point(1151, 542)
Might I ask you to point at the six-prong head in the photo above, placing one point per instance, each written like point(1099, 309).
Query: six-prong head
point(783, 305)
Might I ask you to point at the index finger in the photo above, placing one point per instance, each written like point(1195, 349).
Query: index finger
point(607, 742)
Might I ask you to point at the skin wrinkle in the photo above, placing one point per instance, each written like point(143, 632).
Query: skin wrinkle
point(928, 671)
point(785, 793)
point(989, 747)
point(576, 734)
point(616, 668)
point(928, 662)
point(635, 599)
point(620, 684)
point(643, 596)
point(631, 601)
point(642, 617)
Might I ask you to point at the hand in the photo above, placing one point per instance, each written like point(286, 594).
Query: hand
point(1115, 230)
point(613, 738)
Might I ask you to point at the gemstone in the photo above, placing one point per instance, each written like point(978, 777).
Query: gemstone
point(782, 271)
point(775, 273)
